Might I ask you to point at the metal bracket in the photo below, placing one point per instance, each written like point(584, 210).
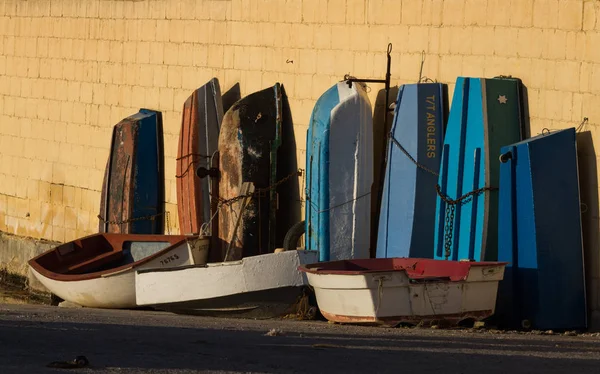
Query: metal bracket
point(203, 172)
point(386, 81)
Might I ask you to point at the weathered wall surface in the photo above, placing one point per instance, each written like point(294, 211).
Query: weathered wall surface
point(70, 70)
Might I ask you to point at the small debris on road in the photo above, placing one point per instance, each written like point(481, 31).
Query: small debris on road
point(274, 332)
point(78, 362)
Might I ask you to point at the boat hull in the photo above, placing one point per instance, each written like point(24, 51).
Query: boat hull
point(198, 141)
point(541, 235)
point(132, 199)
point(486, 115)
point(389, 297)
point(339, 174)
point(248, 141)
point(264, 285)
point(114, 286)
point(407, 216)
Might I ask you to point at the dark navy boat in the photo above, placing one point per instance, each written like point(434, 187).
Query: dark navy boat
point(540, 234)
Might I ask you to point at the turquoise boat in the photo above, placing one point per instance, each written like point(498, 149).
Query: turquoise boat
point(486, 114)
point(407, 215)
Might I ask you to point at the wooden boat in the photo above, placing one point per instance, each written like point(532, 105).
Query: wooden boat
point(390, 291)
point(407, 215)
point(198, 139)
point(98, 270)
point(248, 142)
point(541, 235)
point(339, 174)
point(486, 114)
point(132, 199)
point(258, 286)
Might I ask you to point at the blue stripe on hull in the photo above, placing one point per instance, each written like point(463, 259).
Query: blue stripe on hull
point(540, 234)
point(453, 163)
point(406, 225)
point(317, 174)
point(147, 174)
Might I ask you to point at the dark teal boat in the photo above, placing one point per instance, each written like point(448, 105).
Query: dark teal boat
point(486, 114)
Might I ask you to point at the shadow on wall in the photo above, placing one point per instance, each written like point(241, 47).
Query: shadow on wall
point(588, 189)
point(526, 131)
point(379, 153)
point(288, 212)
point(230, 97)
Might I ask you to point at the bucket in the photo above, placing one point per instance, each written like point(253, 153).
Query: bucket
point(198, 247)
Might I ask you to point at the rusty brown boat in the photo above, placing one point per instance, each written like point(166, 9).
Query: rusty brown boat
point(198, 140)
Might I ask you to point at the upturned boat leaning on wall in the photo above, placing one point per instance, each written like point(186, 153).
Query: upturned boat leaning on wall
point(249, 138)
point(486, 114)
point(339, 174)
point(541, 236)
point(198, 140)
point(407, 217)
point(132, 200)
point(98, 271)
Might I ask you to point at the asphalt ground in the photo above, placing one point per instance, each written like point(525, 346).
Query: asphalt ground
point(128, 341)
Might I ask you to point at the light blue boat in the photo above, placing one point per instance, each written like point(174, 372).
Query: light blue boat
point(486, 114)
point(540, 235)
point(407, 215)
point(339, 174)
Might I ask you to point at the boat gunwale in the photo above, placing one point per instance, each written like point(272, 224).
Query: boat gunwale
point(208, 265)
point(329, 268)
point(175, 240)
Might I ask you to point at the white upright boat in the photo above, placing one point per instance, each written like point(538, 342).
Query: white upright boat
point(98, 271)
point(256, 286)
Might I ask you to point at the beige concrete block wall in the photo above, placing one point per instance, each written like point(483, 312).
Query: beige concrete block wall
point(70, 70)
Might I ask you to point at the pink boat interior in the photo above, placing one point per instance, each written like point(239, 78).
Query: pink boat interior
point(415, 268)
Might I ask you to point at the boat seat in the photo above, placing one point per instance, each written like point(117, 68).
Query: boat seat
point(94, 262)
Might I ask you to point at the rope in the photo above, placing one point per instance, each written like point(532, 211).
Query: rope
point(582, 124)
point(191, 162)
point(397, 143)
point(258, 191)
point(205, 227)
point(192, 154)
point(150, 217)
point(422, 63)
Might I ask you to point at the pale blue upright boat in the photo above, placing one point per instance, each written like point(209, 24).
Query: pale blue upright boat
point(486, 114)
point(339, 174)
point(407, 215)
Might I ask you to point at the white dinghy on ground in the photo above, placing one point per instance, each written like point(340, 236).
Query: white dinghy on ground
point(256, 286)
point(390, 291)
point(97, 271)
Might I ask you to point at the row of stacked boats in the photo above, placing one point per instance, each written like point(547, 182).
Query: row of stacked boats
point(467, 224)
